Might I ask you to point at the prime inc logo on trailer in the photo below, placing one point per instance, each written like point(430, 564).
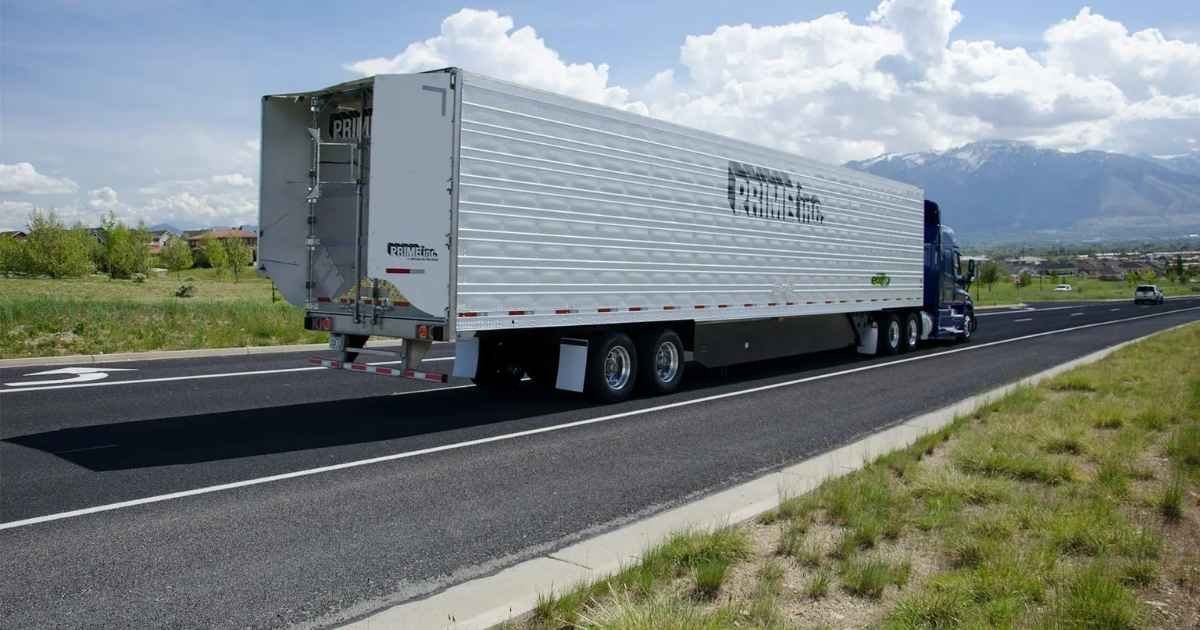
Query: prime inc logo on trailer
point(412, 251)
point(769, 194)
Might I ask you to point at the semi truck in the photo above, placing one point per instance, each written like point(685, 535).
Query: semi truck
point(580, 246)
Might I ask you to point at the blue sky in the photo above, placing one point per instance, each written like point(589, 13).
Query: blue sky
point(150, 108)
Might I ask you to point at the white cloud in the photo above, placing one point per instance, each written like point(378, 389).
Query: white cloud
point(837, 88)
point(22, 177)
point(103, 199)
point(236, 180)
point(485, 42)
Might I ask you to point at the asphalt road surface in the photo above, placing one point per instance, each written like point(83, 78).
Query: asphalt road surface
point(256, 491)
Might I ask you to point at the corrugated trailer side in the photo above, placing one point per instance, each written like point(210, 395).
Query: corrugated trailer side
point(571, 213)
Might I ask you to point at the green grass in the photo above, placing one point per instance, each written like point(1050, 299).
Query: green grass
point(1049, 508)
point(94, 315)
point(682, 554)
point(1084, 289)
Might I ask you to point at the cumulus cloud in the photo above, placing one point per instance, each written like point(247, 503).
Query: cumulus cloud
point(103, 199)
point(485, 42)
point(837, 88)
point(22, 177)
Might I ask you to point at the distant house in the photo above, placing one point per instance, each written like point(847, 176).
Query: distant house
point(222, 234)
point(15, 234)
point(158, 239)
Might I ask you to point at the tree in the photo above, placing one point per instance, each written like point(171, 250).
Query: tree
point(177, 255)
point(1022, 280)
point(53, 249)
point(989, 274)
point(12, 255)
point(126, 250)
point(238, 255)
point(1177, 270)
point(214, 254)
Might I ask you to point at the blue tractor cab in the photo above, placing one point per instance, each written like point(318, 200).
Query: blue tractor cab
point(946, 300)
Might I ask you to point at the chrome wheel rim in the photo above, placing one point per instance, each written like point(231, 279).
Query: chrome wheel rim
point(666, 362)
point(914, 334)
point(894, 334)
point(617, 368)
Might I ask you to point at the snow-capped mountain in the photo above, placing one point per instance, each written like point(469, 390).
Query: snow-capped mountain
point(1001, 190)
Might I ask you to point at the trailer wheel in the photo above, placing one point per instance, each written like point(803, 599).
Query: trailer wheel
point(354, 341)
point(891, 334)
point(660, 359)
point(611, 367)
point(497, 368)
point(912, 331)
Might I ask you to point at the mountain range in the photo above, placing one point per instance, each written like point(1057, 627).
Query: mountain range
point(997, 191)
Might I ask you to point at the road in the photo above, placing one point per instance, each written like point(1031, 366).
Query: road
point(256, 491)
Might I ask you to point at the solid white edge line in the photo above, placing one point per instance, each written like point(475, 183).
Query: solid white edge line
point(166, 379)
point(558, 427)
point(1024, 319)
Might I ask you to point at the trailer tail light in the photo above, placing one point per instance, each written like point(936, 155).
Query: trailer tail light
point(318, 323)
point(422, 332)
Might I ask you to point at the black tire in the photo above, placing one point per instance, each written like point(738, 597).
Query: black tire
point(619, 347)
point(498, 367)
point(353, 341)
point(890, 334)
point(912, 332)
point(660, 373)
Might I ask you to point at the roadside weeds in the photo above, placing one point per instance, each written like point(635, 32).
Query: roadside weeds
point(1072, 504)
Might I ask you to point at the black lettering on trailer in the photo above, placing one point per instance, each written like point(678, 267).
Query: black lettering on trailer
point(755, 191)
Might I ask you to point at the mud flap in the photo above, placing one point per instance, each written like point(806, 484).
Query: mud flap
point(466, 357)
point(572, 364)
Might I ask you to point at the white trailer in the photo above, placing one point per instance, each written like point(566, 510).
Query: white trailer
point(588, 247)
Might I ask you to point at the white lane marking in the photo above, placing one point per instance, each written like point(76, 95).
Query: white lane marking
point(1113, 310)
point(1026, 319)
point(557, 427)
point(1076, 314)
point(1049, 308)
point(76, 375)
point(167, 379)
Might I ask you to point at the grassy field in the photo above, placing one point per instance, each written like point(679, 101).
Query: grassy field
point(1084, 289)
point(1075, 504)
point(92, 315)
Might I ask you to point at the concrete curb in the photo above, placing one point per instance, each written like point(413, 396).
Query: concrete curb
point(513, 592)
point(154, 355)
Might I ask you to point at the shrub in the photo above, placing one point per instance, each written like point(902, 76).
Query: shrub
point(177, 255)
point(126, 250)
point(185, 291)
point(213, 254)
point(12, 255)
point(238, 256)
point(54, 250)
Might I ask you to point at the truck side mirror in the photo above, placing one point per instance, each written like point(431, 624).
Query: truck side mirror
point(970, 270)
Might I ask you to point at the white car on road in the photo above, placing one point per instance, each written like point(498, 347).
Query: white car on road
point(1064, 287)
point(1148, 294)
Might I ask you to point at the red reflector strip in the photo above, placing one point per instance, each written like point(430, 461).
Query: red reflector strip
point(747, 306)
point(635, 308)
point(722, 306)
point(699, 306)
point(829, 301)
point(401, 270)
point(434, 377)
point(520, 312)
point(426, 376)
point(562, 311)
point(668, 308)
point(605, 310)
point(323, 300)
point(469, 314)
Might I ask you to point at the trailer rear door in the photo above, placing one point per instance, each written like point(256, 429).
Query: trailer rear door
point(410, 218)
